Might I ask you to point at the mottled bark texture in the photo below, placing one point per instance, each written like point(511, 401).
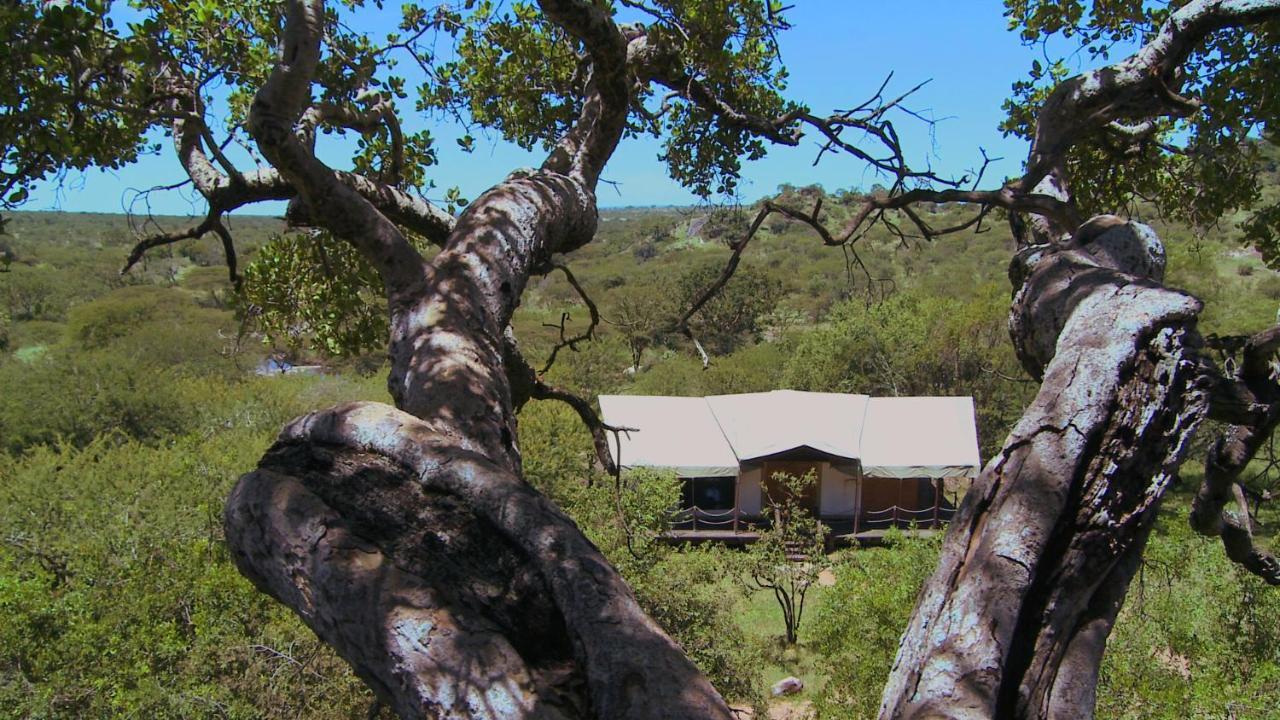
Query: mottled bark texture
point(1252, 411)
point(1036, 564)
point(452, 587)
point(406, 537)
point(1039, 556)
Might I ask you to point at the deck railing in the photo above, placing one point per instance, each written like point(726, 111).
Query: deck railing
point(695, 518)
point(708, 519)
point(898, 516)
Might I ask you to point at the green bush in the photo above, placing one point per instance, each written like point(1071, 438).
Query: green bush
point(858, 626)
point(35, 333)
point(1197, 638)
point(75, 398)
point(120, 600)
point(96, 324)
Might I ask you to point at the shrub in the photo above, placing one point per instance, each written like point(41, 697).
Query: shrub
point(121, 600)
point(95, 324)
point(858, 626)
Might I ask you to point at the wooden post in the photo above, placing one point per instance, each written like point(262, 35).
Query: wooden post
point(737, 493)
point(937, 499)
point(857, 499)
point(897, 504)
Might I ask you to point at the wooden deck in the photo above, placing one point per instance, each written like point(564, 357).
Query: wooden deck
point(745, 537)
point(728, 537)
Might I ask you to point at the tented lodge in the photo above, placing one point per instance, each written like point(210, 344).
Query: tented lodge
point(879, 462)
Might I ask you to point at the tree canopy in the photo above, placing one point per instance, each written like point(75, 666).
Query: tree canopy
point(425, 506)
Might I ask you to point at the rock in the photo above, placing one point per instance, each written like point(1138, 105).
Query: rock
point(787, 686)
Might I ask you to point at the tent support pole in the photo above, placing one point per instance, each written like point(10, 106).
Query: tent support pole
point(898, 504)
point(737, 493)
point(937, 499)
point(857, 503)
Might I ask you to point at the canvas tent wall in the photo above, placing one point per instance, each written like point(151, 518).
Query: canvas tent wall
point(901, 437)
point(759, 425)
point(674, 433)
point(920, 437)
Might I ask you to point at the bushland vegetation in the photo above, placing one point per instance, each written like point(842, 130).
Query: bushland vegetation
point(129, 405)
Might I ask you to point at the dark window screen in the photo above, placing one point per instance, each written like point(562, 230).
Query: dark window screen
point(708, 493)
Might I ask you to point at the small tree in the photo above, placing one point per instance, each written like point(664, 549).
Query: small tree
point(790, 554)
point(640, 311)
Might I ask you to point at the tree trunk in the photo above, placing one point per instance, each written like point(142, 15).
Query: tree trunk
point(1036, 562)
point(408, 540)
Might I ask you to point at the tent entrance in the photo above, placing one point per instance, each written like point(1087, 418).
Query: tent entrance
point(773, 489)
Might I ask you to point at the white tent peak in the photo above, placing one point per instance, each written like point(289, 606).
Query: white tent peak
point(709, 437)
point(767, 423)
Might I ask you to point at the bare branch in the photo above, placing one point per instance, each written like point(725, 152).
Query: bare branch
point(588, 334)
point(228, 252)
point(682, 324)
point(528, 384)
point(227, 191)
point(141, 247)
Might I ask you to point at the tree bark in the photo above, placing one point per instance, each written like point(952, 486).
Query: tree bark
point(407, 538)
point(1036, 563)
point(454, 588)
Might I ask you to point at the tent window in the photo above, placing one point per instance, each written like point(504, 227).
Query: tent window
point(707, 493)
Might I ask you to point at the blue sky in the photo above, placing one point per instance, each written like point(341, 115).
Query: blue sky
point(838, 52)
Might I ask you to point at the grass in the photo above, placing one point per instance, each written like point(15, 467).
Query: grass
point(760, 617)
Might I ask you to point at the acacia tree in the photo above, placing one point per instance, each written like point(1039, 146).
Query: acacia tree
point(406, 537)
point(791, 552)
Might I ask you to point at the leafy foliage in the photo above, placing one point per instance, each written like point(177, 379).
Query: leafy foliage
point(918, 344)
point(729, 44)
point(733, 316)
point(791, 552)
point(68, 100)
point(1194, 170)
point(858, 626)
point(316, 291)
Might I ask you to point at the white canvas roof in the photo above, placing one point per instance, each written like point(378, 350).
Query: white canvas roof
point(908, 437)
point(767, 423)
point(676, 433)
point(933, 437)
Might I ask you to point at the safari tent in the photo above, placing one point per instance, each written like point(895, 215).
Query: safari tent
point(880, 462)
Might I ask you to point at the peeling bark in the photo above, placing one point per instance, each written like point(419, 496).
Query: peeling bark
point(406, 537)
point(379, 532)
point(1037, 560)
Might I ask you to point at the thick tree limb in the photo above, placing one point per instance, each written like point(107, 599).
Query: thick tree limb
point(276, 109)
point(1136, 89)
point(455, 433)
point(583, 151)
point(230, 189)
point(1220, 507)
point(1012, 623)
point(379, 113)
point(364, 512)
